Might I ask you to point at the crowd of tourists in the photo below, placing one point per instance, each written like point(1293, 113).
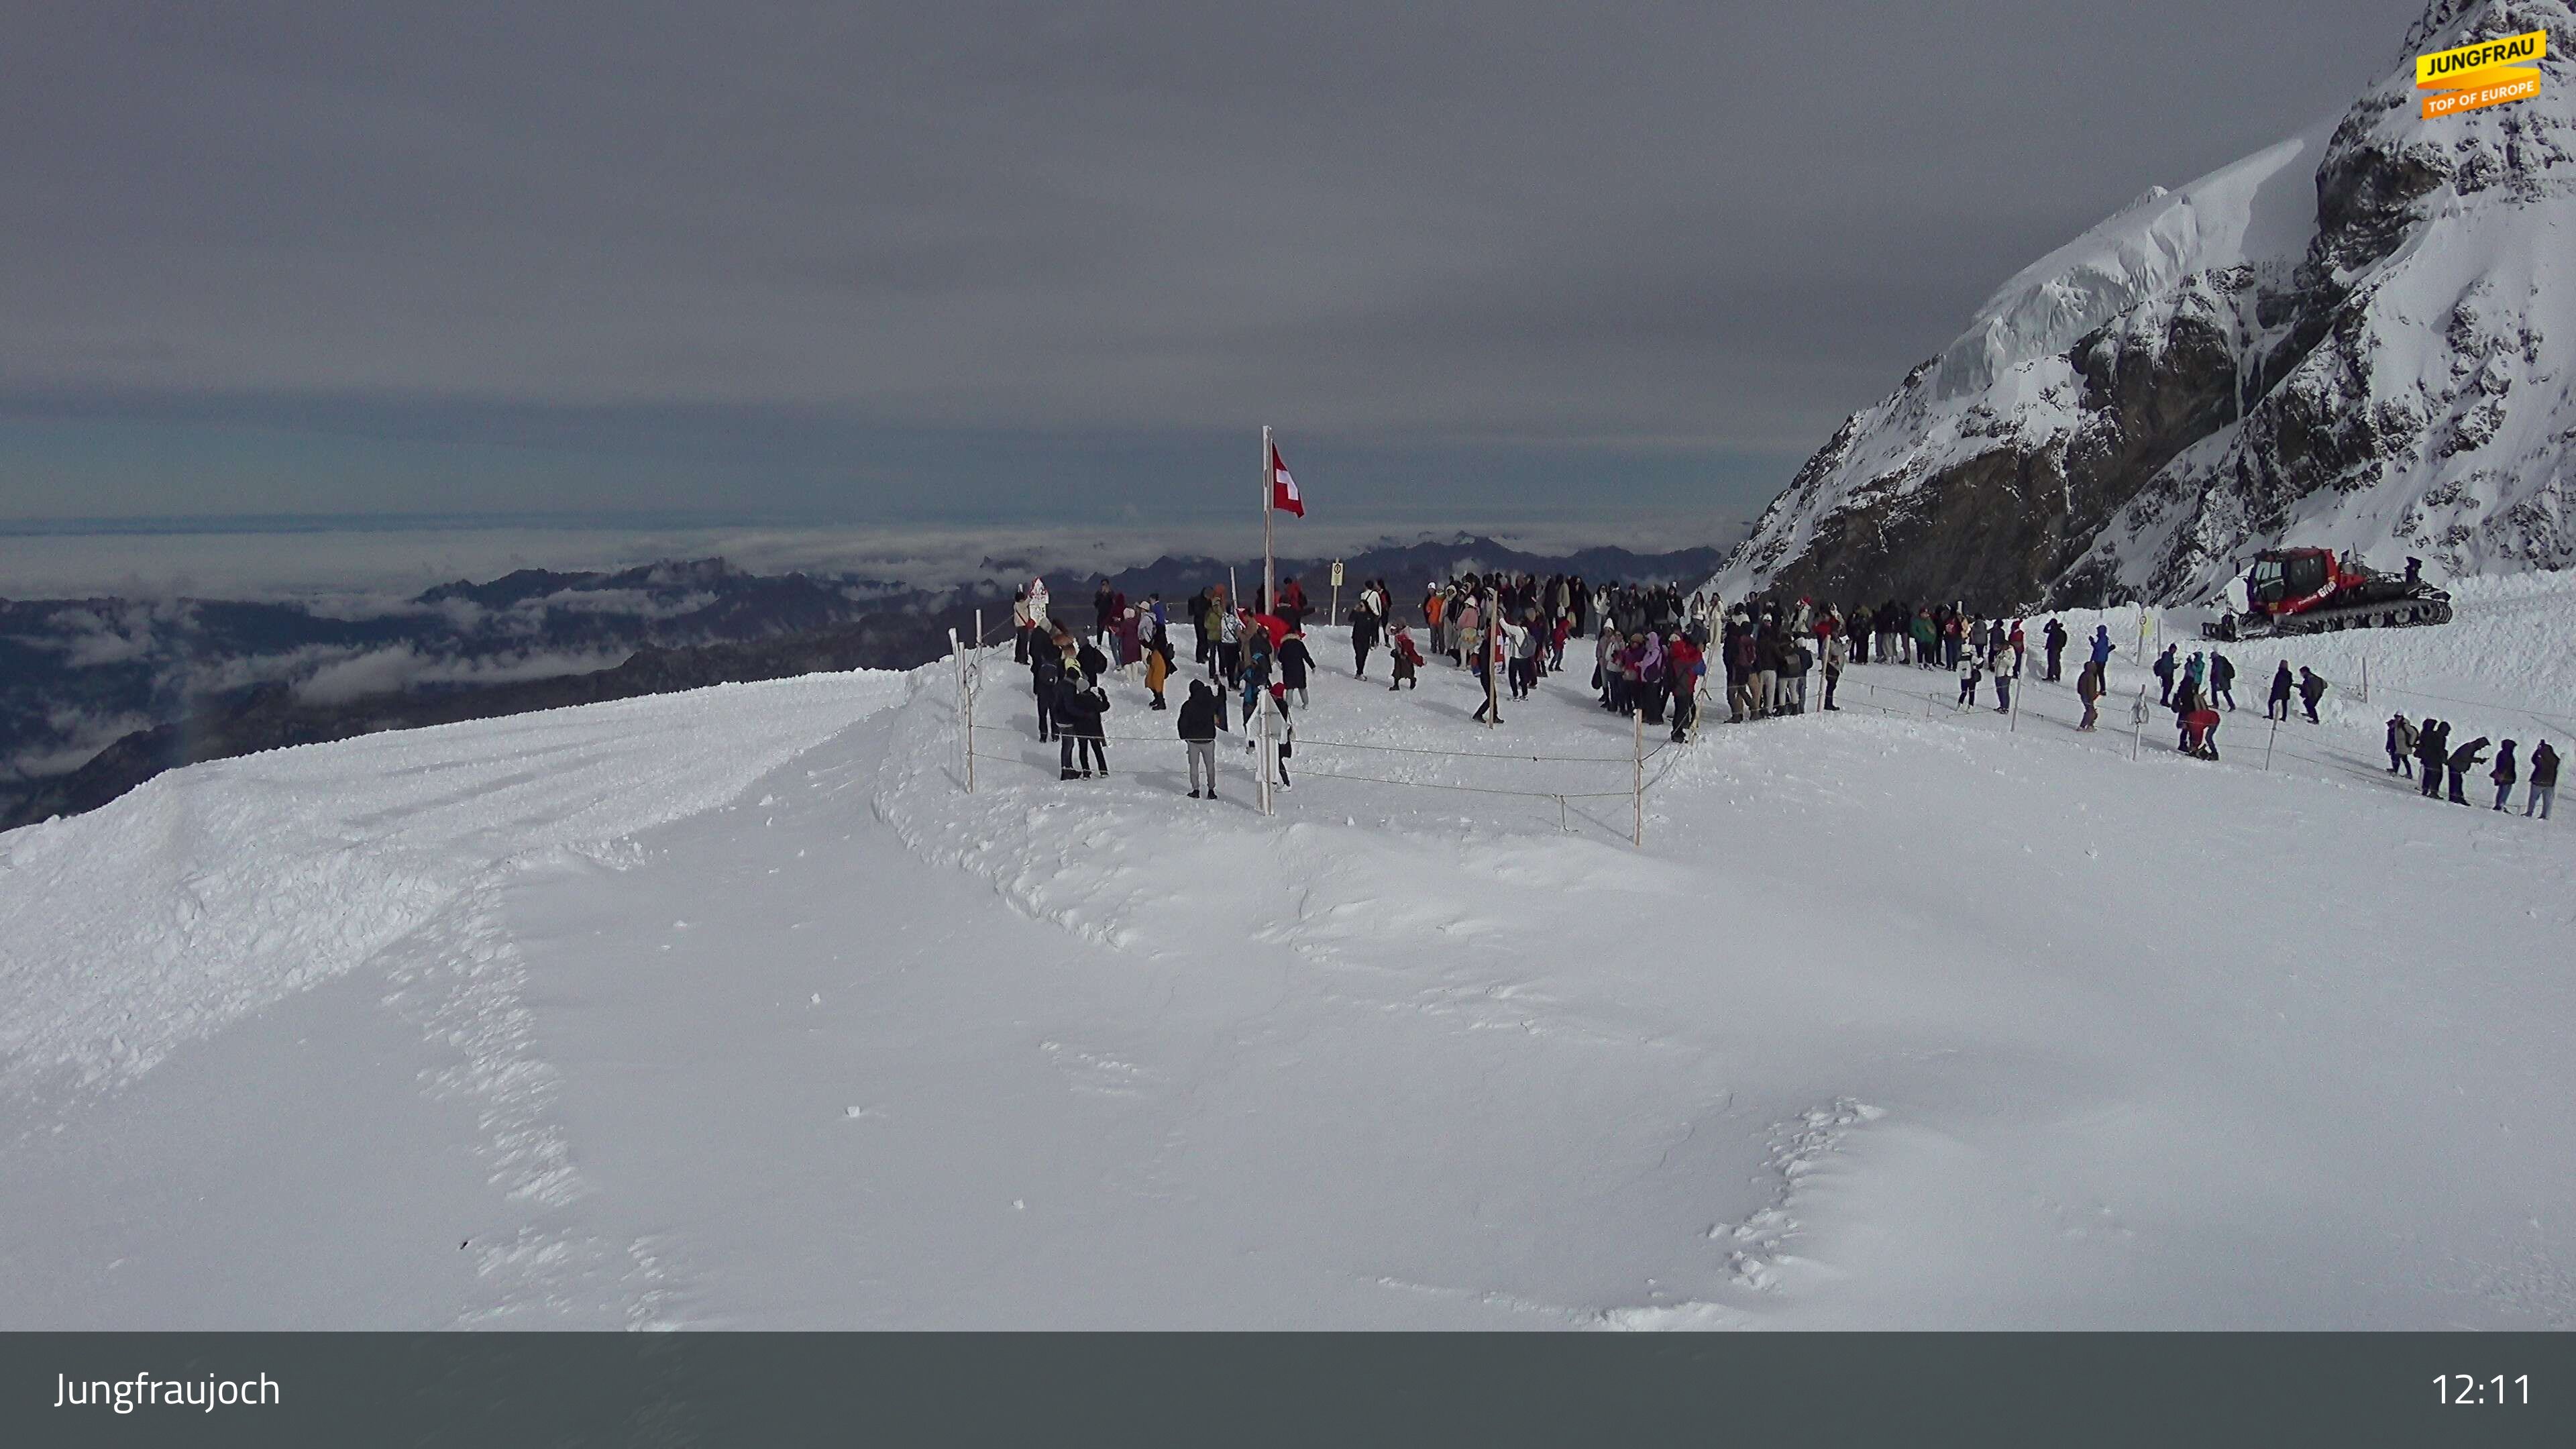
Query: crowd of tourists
point(1655, 653)
point(2428, 745)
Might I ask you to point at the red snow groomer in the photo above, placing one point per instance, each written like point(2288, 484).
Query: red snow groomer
point(2311, 591)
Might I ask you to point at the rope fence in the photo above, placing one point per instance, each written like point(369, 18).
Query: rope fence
point(1937, 706)
point(1561, 797)
point(970, 658)
point(1852, 693)
point(1304, 743)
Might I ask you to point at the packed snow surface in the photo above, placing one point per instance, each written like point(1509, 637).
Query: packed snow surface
point(735, 1009)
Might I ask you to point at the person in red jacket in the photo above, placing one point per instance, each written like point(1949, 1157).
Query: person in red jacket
point(1684, 664)
point(1408, 659)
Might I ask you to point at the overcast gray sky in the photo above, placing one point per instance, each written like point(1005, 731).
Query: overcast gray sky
point(1048, 260)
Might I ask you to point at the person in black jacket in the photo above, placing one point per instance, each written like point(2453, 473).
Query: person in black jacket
point(2055, 634)
point(2222, 680)
point(1202, 715)
point(2544, 780)
point(2504, 773)
point(1294, 660)
point(2165, 670)
point(2312, 687)
point(2463, 760)
point(2278, 707)
point(1078, 727)
point(2430, 753)
point(1046, 671)
point(1068, 710)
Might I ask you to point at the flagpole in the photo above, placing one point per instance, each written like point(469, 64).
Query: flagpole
point(1269, 485)
point(1493, 657)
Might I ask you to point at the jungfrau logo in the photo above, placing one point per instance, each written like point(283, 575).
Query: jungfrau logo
point(2487, 73)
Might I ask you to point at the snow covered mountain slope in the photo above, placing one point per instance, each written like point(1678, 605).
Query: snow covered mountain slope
point(734, 1009)
point(2362, 337)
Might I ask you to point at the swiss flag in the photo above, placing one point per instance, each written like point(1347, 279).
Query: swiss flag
point(1283, 489)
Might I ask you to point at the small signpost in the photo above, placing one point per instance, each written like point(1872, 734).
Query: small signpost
point(1334, 615)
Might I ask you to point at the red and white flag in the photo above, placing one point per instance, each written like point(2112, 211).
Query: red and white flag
point(1283, 489)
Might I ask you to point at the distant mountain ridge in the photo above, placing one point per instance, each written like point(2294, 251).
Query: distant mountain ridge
point(98, 695)
point(2363, 337)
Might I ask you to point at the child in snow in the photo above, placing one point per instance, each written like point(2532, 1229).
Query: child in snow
point(1408, 659)
point(2503, 774)
point(2200, 733)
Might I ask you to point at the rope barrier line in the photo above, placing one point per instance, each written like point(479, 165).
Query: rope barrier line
point(1471, 789)
point(1016, 733)
point(1936, 703)
point(1425, 784)
point(1660, 774)
point(2560, 721)
point(970, 661)
point(1941, 707)
point(1305, 743)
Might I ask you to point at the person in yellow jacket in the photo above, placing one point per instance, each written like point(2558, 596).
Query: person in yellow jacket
point(1158, 666)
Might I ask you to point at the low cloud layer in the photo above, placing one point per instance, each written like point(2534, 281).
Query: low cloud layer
point(360, 574)
point(391, 671)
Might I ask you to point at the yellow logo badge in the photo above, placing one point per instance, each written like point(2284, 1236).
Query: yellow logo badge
point(2489, 73)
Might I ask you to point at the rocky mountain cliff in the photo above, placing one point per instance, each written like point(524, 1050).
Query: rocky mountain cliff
point(2362, 337)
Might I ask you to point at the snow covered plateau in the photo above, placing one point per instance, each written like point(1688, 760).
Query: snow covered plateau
point(735, 1009)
